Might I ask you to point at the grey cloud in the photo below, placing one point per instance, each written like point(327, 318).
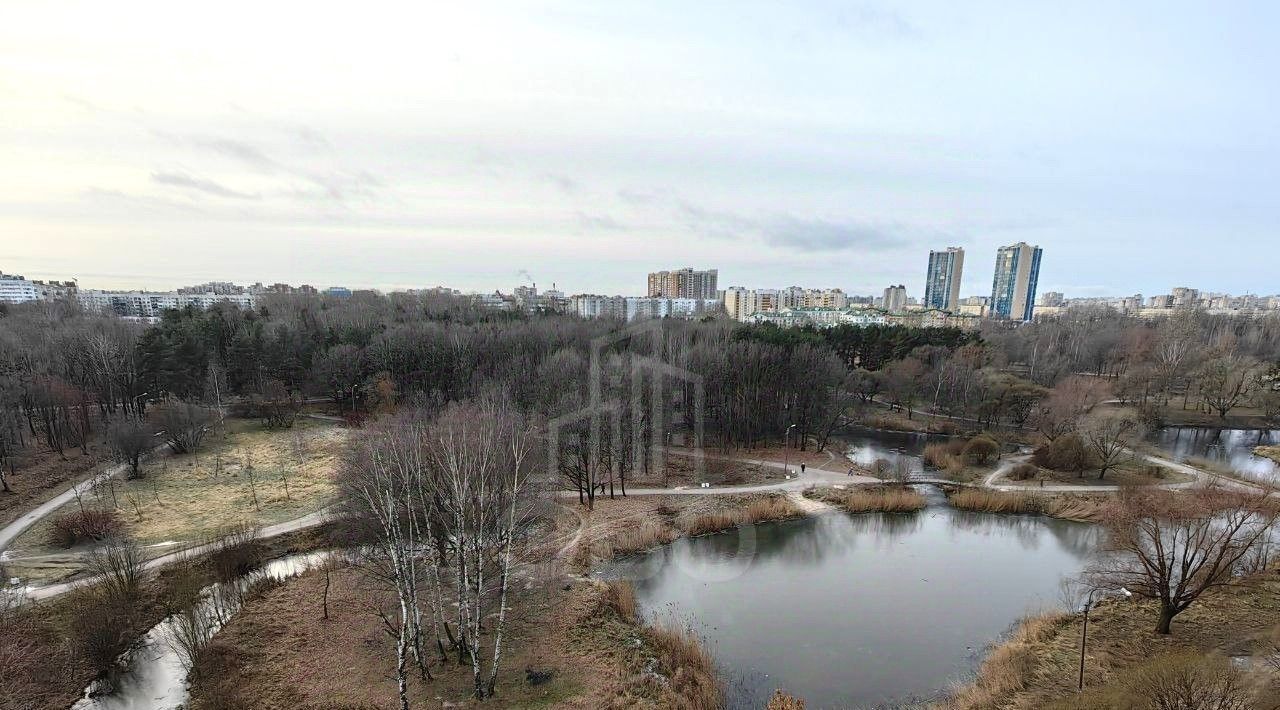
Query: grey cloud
point(336, 185)
point(822, 235)
point(188, 182)
point(563, 182)
point(599, 222)
point(241, 151)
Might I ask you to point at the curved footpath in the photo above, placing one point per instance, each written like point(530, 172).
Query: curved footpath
point(813, 475)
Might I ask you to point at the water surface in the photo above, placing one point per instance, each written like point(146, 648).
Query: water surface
point(1228, 447)
point(852, 611)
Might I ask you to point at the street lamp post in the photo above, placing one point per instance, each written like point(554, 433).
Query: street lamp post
point(136, 413)
point(786, 452)
point(1084, 631)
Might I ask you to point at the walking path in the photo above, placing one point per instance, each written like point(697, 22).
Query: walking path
point(793, 487)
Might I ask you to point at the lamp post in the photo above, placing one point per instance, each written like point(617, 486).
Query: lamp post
point(1084, 631)
point(786, 452)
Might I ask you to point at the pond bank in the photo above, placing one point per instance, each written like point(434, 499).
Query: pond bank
point(1037, 665)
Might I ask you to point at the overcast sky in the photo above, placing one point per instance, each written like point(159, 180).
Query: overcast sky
point(586, 143)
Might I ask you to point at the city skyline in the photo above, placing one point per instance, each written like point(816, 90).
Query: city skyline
point(583, 144)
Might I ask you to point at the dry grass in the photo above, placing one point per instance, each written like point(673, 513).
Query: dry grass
point(1038, 666)
point(188, 497)
point(1056, 506)
point(1010, 668)
point(1270, 452)
point(648, 535)
point(763, 510)
point(878, 500)
point(689, 667)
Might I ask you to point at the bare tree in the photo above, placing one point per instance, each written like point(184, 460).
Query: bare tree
point(1175, 547)
point(1110, 435)
point(1226, 381)
point(184, 425)
point(130, 439)
point(1068, 401)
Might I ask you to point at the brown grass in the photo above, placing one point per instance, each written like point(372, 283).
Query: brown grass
point(757, 511)
point(690, 668)
point(878, 500)
point(1009, 669)
point(1056, 506)
point(1037, 668)
point(184, 498)
point(1270, 452)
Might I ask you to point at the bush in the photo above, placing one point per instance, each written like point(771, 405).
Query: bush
point(1065, 453)
point(79, 526)
point(1024, 472)
point(981, 450)
point(100, 628)
point(941, 454)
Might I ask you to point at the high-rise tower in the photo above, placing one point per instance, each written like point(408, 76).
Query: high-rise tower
point(1013, 289)
point(942, 281)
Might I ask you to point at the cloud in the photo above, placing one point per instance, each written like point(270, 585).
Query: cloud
point(209, 187)
point(808, 234)
point(599, 223)
point(782, 230)
point(241, 151)
point(337, 186)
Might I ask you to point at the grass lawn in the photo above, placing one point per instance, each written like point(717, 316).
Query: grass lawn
point(185, 498)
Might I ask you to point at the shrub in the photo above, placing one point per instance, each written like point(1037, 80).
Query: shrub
point(981, 450)
point(236, 552)
point(782, 701)
point(1024, 472)
point(1065, 453)
point(942, 454)
point(82, 525)
point(100, 628)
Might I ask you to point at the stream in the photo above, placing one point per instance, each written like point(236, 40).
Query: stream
point(155, 675)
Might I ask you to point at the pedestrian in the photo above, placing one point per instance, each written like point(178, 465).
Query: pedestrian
point(801, 467)
point(851, 470)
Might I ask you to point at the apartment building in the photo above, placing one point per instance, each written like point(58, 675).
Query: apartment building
point(683, 283)
point(1013, 288)
point(895, 299)
point(151, 304)
point(942, 280)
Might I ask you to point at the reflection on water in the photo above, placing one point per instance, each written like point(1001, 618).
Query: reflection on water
point(866, 446)
point(858, 610)
point(1230, 447)
point(156, 676)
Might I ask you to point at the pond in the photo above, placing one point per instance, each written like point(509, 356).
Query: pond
point(1228, 447)
point(853, 611)
point(864, 446)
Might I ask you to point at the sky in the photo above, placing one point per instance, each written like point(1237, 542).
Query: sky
point(481, 145)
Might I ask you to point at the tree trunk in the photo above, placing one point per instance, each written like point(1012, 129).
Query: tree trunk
point(1166, 619)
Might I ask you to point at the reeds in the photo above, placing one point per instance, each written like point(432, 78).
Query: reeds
point(881, 500)
point(758, 511)
point(1064, 507)
point(1009, 668)
point(691, 668)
